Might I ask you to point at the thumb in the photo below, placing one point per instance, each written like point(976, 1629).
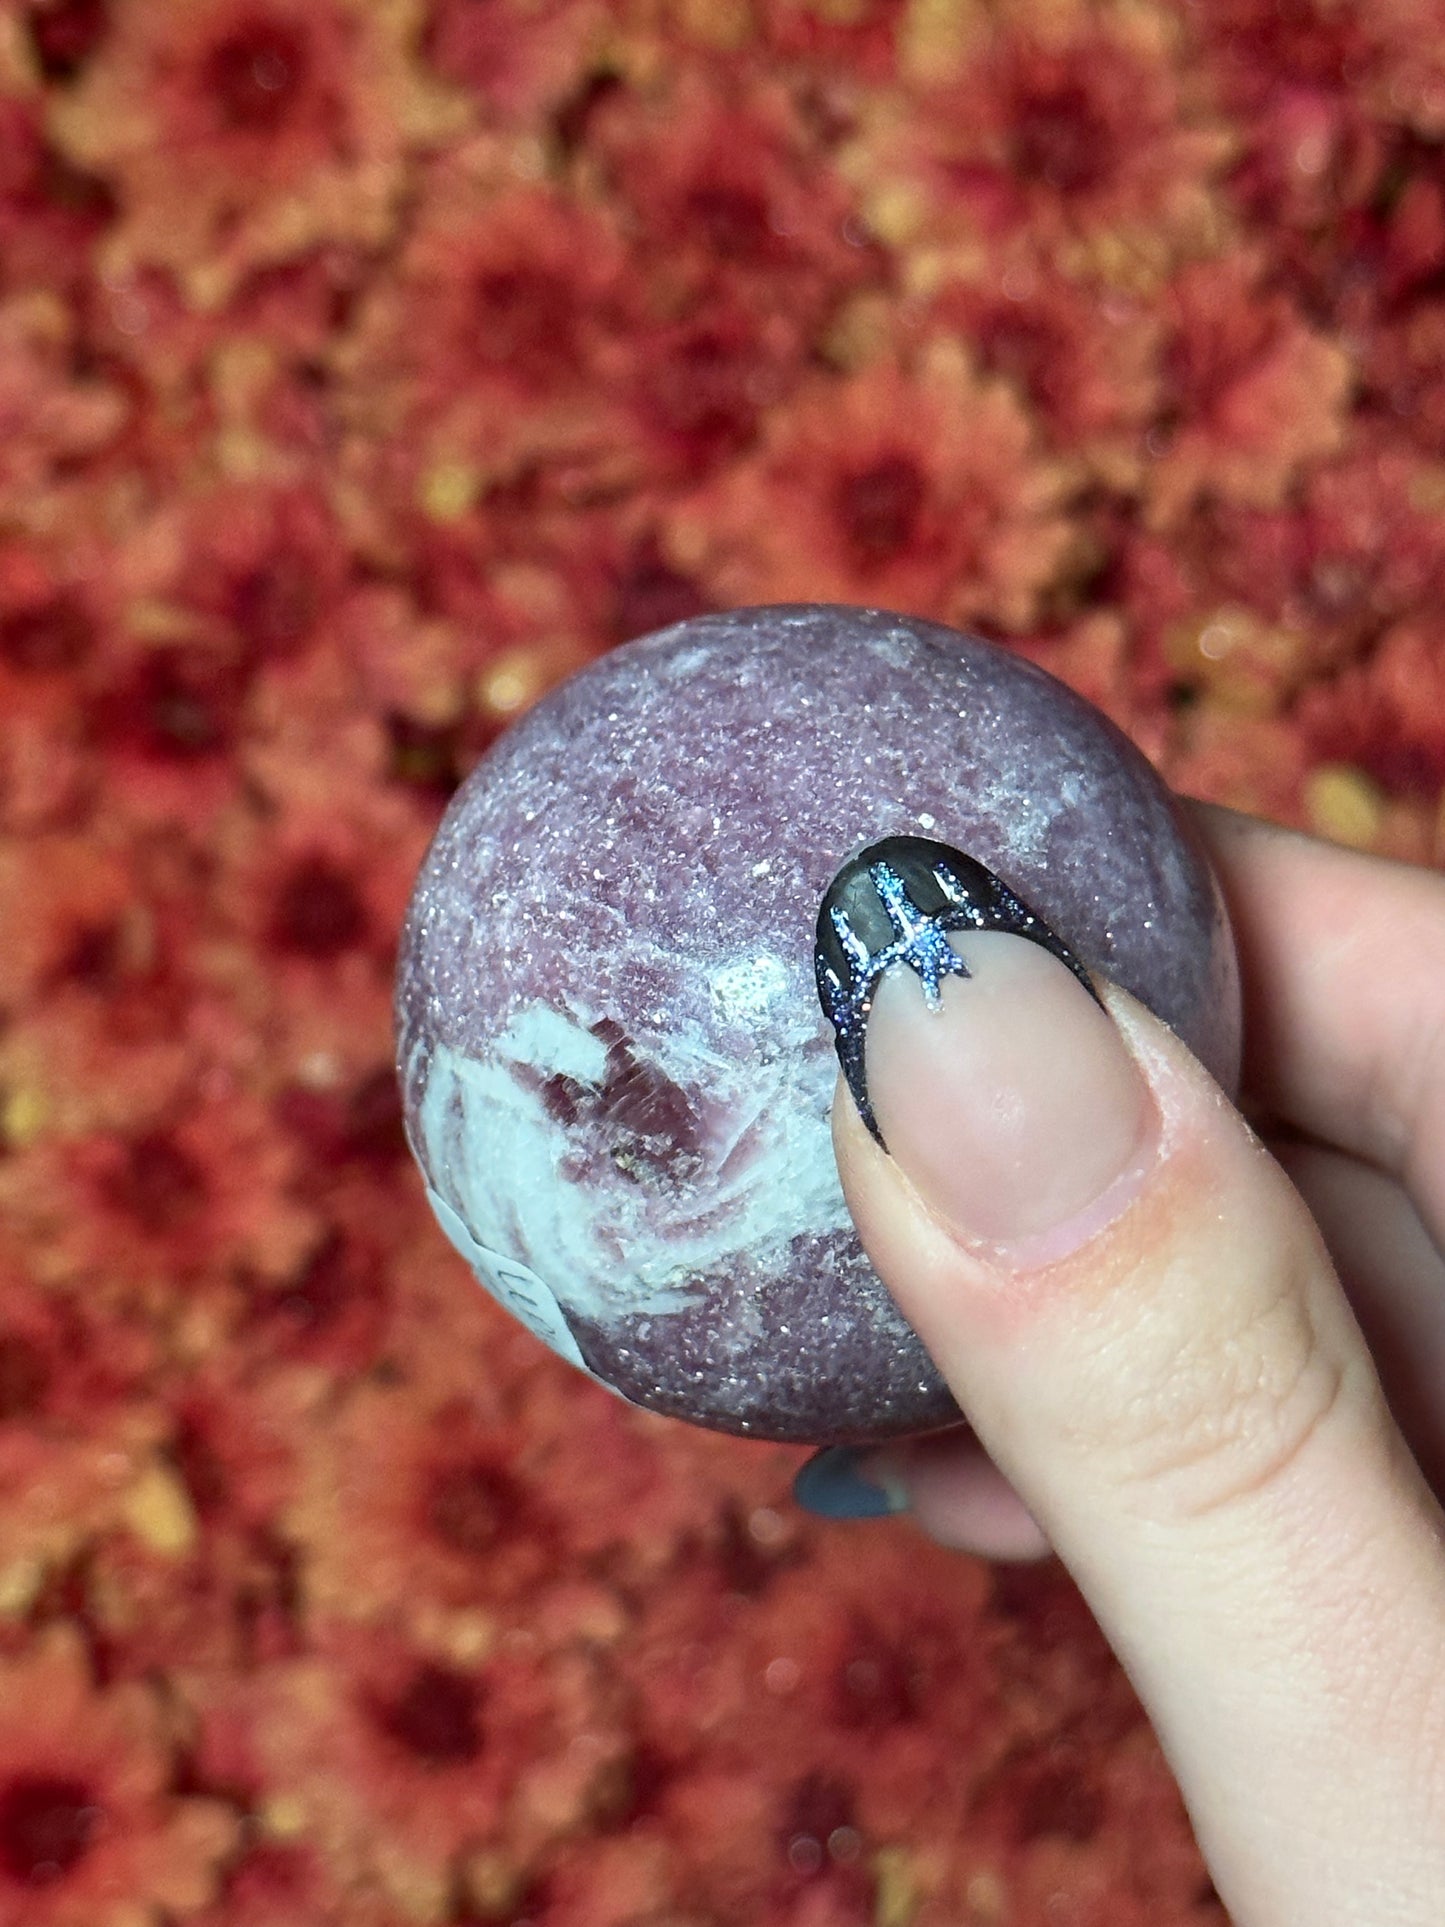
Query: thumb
point(1138, 1317)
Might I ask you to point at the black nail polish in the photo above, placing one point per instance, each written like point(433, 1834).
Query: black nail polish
point(894, 903)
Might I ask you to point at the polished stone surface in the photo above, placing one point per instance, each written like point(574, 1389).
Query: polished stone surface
point(616, 1073)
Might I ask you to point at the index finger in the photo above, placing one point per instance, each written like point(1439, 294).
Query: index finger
point(1342, 958)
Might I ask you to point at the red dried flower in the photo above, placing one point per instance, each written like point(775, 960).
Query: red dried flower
point(67, 1373)
point(58, 898)
point(473, 373)
point(1257, 764)
point(1084, 133)
point(730, 196)
point(409, 667)
point(632, 1495)
point(202, 1577)
point(522, 60)
point(309, 895)
point(91, 1834)
point(1386, 715)
point(856, 38)
point(393, 1762)
point(702, 386)
point(64, 34)
point(207, 1188)
point(359, 1121)
point(1403, 359)
point(922, 492)
point(51, 417)
point(156, 1601)
point(438, 1334)
point(499, 283)
point(1363, 548)
point(646, 593)
point(1246, 606)
point(409, 1512)
point(760, 1694)
point(1252, 395)
point(262, 568)
point(230, 598)
point(165, 720)
point(234, 1445)
point(179, 705)
point(1089, 1812)
point(1084, 365)
point(75, 1429)
point(242, 132)
point(515, 619)
point(1292, 80)
point(61, 1491)
point(51, 213)
point(1405, 76)
point(98, 984)
point(53, 624)
point(1092, 655)
point(234, 391)
point(69, 1071)
point(1373, 540)
point(47, 632)
point(834, 1680)
point(332, 1314)
point(275, 1884)
point(619, 1877)
point(816, 1668)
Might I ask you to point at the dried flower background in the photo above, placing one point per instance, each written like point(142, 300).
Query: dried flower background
point(365, 366)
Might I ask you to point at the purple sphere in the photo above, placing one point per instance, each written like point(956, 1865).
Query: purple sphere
point(617, 1077)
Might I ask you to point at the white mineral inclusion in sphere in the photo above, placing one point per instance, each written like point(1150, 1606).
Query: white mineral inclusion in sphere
point(617, 1077)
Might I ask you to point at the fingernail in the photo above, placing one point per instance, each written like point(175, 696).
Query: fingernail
point(977, 1051)
point(835, 1485)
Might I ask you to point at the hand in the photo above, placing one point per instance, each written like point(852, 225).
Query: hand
point(1162, 1334)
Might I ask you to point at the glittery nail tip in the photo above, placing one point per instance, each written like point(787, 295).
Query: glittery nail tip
point(895, 903)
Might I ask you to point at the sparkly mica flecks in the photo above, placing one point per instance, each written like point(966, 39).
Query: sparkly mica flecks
point(894, 904)
point(616, 1074)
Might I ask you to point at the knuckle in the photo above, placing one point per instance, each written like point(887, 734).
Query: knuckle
point(1236, 1409)
point(1261, 1439)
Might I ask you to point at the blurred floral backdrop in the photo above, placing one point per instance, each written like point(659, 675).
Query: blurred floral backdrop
point(366, 366)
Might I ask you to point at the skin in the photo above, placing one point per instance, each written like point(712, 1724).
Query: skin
point(1225, 1411)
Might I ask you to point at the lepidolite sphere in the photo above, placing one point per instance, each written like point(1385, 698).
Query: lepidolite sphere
point(617, 1077)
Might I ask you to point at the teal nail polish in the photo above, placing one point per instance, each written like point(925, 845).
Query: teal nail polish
point(832, 1486)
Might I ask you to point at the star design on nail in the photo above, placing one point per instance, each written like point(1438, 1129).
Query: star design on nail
point(896, 904)
point(922, 942)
